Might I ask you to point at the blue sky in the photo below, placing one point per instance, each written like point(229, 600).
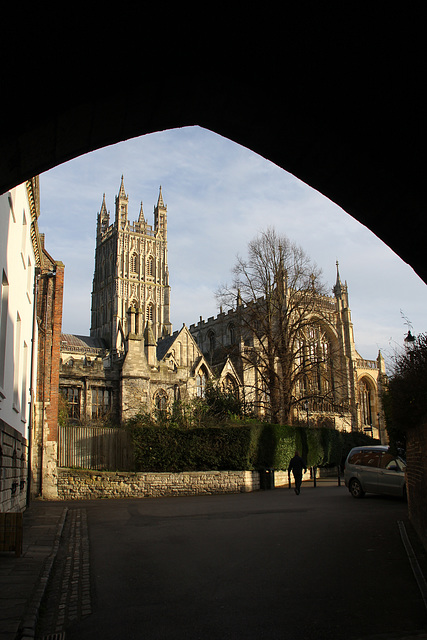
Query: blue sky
point(219, 196)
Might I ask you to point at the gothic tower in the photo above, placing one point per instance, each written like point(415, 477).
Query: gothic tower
point(131, 272)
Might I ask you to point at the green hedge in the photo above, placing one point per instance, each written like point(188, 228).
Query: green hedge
point(158, 449)
point(252, 446)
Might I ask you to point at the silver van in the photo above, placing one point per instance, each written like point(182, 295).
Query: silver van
point(374, 470)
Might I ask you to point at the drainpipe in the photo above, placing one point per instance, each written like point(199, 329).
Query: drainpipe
point(48, 274)
point(31, 411)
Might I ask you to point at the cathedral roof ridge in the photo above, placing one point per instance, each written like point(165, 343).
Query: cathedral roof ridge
point(79, 342)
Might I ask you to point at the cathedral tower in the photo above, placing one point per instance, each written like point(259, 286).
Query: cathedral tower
point(131, 271)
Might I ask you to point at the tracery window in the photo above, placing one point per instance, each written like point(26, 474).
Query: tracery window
point(365, 401)
point(150, 266)
point(230, 385)
point(161, 400)
point(201, 380)
point(313, 356)
point(212, 341)
point(231, 333)
point(134, 263)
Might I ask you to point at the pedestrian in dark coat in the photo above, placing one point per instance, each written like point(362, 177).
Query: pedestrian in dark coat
point(296, 465)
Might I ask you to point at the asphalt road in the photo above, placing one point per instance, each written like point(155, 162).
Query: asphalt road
point(269, 564)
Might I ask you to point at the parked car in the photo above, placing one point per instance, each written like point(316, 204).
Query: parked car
point(374, 470)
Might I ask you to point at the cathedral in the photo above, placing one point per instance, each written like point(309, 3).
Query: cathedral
point(133, 362)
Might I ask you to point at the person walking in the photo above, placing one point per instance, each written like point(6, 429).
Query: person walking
point(296, 465)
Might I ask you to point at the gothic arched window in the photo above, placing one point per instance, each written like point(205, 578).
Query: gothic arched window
point(231, 329)
point(161, 400)
point(150, 266)
point(212, 341)
point(313, 354)
point(149, 312)
point(365, 402)
point(230, 385)
point(201, 379)
point(134, 263)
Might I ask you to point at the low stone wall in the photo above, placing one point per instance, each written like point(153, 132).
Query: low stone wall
point(79, 484)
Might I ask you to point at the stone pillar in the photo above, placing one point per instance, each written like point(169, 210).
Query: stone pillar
point(49, 312)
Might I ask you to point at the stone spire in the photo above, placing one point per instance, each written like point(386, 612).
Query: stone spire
point(141, 218)
point(338, 288)
point(122, 202)
point(160, 202)
point(103, 217)
point(160, 216)
point(150, 344)
point(122, 192)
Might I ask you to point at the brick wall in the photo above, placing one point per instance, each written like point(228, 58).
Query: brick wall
point(45, 429)
point(416, 479)
point(55, 352)
point(76, 484)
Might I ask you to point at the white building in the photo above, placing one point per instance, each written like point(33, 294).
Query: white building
point(19, 257)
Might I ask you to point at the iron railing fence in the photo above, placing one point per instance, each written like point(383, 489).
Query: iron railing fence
point(90, 447)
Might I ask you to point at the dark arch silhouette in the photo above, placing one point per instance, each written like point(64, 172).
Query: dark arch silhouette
point(339, 106)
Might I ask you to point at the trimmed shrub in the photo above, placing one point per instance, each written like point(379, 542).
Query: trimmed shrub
point(202, 449)
point(250, 445)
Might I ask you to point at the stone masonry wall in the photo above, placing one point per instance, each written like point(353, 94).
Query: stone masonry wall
point(77, 484)
point(416, 479)
point(13, 469)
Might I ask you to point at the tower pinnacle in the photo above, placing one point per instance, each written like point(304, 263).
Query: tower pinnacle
point(122, 202)
point(160, 202)
point(160, 216)
point(338, 288)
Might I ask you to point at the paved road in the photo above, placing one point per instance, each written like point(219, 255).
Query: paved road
point(250, 566)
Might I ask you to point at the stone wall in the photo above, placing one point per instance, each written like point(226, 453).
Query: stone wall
point(13, 469)
point(45, 427)
point(78, 484)
point(416, 479)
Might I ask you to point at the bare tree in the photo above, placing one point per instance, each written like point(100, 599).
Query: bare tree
point(282, 308)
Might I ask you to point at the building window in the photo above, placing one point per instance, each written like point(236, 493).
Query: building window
point(365, 403)
point(3, 325)
point(17, 358)
point(161, 400)
point(29, 280)
point(176, 393)
point(24, 383)
point(24, 236)
point(149, 313)
point(201, 380)
point(150, 266)
point(134, 263)
point(11, 208)
point(72, 396)
point(231, 333)
point(101, 402)
point(230, 386)
point(212, 341)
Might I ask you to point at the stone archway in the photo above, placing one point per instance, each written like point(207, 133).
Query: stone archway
point(331, 104)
